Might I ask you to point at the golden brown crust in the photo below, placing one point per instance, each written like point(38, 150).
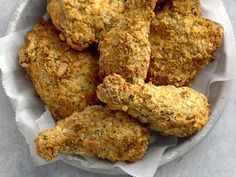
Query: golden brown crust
point(83, 22)
point(125, 49)
point(181, 7)
point(183, 42)
point(95, 131)
point(172, 111)
point(64, 79)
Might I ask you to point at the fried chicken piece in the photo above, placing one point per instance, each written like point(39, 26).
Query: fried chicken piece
point(183, 42)
point(171, 111)
point(125, 49)
point(83, 22)
point(95, 131)
point(64, 79)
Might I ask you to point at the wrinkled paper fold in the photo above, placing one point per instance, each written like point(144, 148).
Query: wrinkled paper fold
point(32, 117)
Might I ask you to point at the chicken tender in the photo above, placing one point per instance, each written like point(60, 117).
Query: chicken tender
point(183, 42)
point(64, 79)
point(83, 22)
point(171, 111)
point(125, 49)
point(95, 131)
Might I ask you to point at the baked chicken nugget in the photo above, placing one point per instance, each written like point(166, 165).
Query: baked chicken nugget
point(95, 131)
point(125, 49)
point(183, 42)
point(172, 111)
point(84, 22)
point(64, 79)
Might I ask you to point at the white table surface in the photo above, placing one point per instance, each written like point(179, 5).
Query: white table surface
point(215, 156)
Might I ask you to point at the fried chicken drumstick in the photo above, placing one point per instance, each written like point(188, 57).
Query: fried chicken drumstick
point(125, 49)
point(172, 111)
point(97, 131)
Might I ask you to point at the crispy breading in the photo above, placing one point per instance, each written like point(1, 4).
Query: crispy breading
point(183, 42)
point(171, 111)
point(64, 79)
point(83, 22)
point(125, 49)
point(182, 7)
point(97, 131)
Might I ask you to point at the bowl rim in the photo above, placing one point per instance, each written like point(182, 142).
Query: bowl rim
point(170, 154)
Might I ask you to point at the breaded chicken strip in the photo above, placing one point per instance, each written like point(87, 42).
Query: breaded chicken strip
point(95, 131)
point(182, 41)
point(64, 79)
point(172, 111)
point(125, 49)
point(84, 22)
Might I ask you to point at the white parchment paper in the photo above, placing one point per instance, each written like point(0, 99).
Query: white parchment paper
point(32, 118)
